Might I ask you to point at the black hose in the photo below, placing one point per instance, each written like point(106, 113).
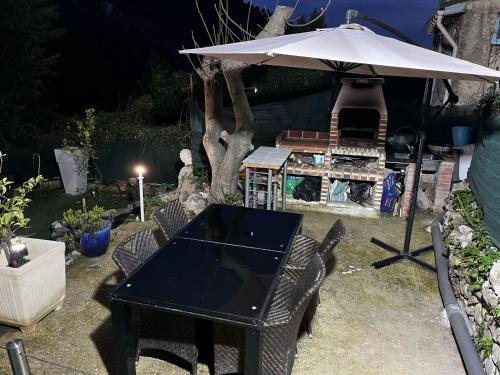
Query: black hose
point(460, 327)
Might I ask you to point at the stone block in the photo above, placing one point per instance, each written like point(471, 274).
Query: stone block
point(495, 333)
point(478, 314)
point(490, 297)
point(494, 277)
point(495, 355)
point(489, 367)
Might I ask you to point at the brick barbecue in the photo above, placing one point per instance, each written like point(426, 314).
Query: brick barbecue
point(358, 128)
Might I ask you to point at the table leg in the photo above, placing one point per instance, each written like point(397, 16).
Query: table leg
point(275, 196)
point(269, 188)
point(124, 338)
point(253, 351)
point(247, 187)
point(283, 187)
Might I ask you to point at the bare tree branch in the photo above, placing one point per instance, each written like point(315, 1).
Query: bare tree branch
point(226, 25)
point(236, 24)
point(204, 23)
point(321, 14)
point(250, 4)
point(198, 71)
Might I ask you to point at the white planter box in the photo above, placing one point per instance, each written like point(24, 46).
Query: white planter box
point(30, 292)
point(74, 177)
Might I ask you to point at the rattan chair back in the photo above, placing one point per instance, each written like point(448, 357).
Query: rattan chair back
point(332, 238)
point(170, 217)
point(134, 251)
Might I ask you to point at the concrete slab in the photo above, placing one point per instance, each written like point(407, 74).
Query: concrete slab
point(371, 321)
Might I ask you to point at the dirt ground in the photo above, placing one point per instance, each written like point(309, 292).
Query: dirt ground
point(383, 321)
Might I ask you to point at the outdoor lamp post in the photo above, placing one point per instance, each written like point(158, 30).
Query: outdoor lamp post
point(140, 170)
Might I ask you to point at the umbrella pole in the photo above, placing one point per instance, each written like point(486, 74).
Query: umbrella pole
point(405, 253)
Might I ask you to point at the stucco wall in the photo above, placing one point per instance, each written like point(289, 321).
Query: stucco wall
point(472, 32)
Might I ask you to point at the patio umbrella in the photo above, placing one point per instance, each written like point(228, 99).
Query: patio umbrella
point(349, 48)
point(356, 49)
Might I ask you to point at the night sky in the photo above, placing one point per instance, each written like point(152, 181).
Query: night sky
point(406, 16)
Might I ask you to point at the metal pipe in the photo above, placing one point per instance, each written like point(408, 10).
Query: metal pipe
point(449, 39)
point(269, 188)
point(17, 357)
point(247, 187)
point(460, 327)
point(447, 36)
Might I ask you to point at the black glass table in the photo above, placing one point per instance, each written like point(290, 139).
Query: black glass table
point(223, 266)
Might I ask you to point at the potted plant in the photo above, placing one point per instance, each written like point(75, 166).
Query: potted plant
point(89, 230)
point(13, 202)
point(73, 158)
point(29, 287)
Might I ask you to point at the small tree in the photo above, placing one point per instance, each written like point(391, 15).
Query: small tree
point(226, 151)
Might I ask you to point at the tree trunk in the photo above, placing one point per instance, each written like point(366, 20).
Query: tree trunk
point(212, 84)
point(239, 143)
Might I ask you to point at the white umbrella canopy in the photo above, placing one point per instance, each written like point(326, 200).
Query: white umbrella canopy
point(350, 48)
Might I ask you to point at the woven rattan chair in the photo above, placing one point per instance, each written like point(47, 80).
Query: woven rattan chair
point(170, 333)
point(132, 252)
point(302, 248)
point(280, 329)
point(332, 238)
point(159, 331)
point(170, 217)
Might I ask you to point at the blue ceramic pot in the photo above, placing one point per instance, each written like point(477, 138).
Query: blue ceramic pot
point(95, 244)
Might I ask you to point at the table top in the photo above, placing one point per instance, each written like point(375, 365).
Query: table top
point(267, 157)
point(213, 279)
point(205, 278)
point(242, 226)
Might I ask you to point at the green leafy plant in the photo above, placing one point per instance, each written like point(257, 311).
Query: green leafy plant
point(83, 138)
point(486, 345)
point(495, 311)
point(85, 221)
point(477, 258)
point(13, 202)
point(151, 204)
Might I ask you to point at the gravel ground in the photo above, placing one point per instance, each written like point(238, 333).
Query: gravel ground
point(370, 322)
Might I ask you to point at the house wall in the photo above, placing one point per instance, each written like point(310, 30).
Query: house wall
point(472, 32)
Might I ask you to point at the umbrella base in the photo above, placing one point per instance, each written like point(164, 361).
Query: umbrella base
point(402, 255)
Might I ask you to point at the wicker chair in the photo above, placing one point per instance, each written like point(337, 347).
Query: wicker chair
point(302, 248)
point(160, 331)
point(280, 329)
point(132, 252)
point(170, 217)
point(332, 238)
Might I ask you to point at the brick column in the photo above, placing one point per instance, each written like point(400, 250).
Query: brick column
point(443, 185)
point(325, 189)
point(382, 132)
point(334, 131)
point(406, 199)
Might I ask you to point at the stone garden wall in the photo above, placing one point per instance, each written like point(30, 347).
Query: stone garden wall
point(475, 276)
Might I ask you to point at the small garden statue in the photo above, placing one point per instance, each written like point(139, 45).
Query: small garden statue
point(186, 185)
